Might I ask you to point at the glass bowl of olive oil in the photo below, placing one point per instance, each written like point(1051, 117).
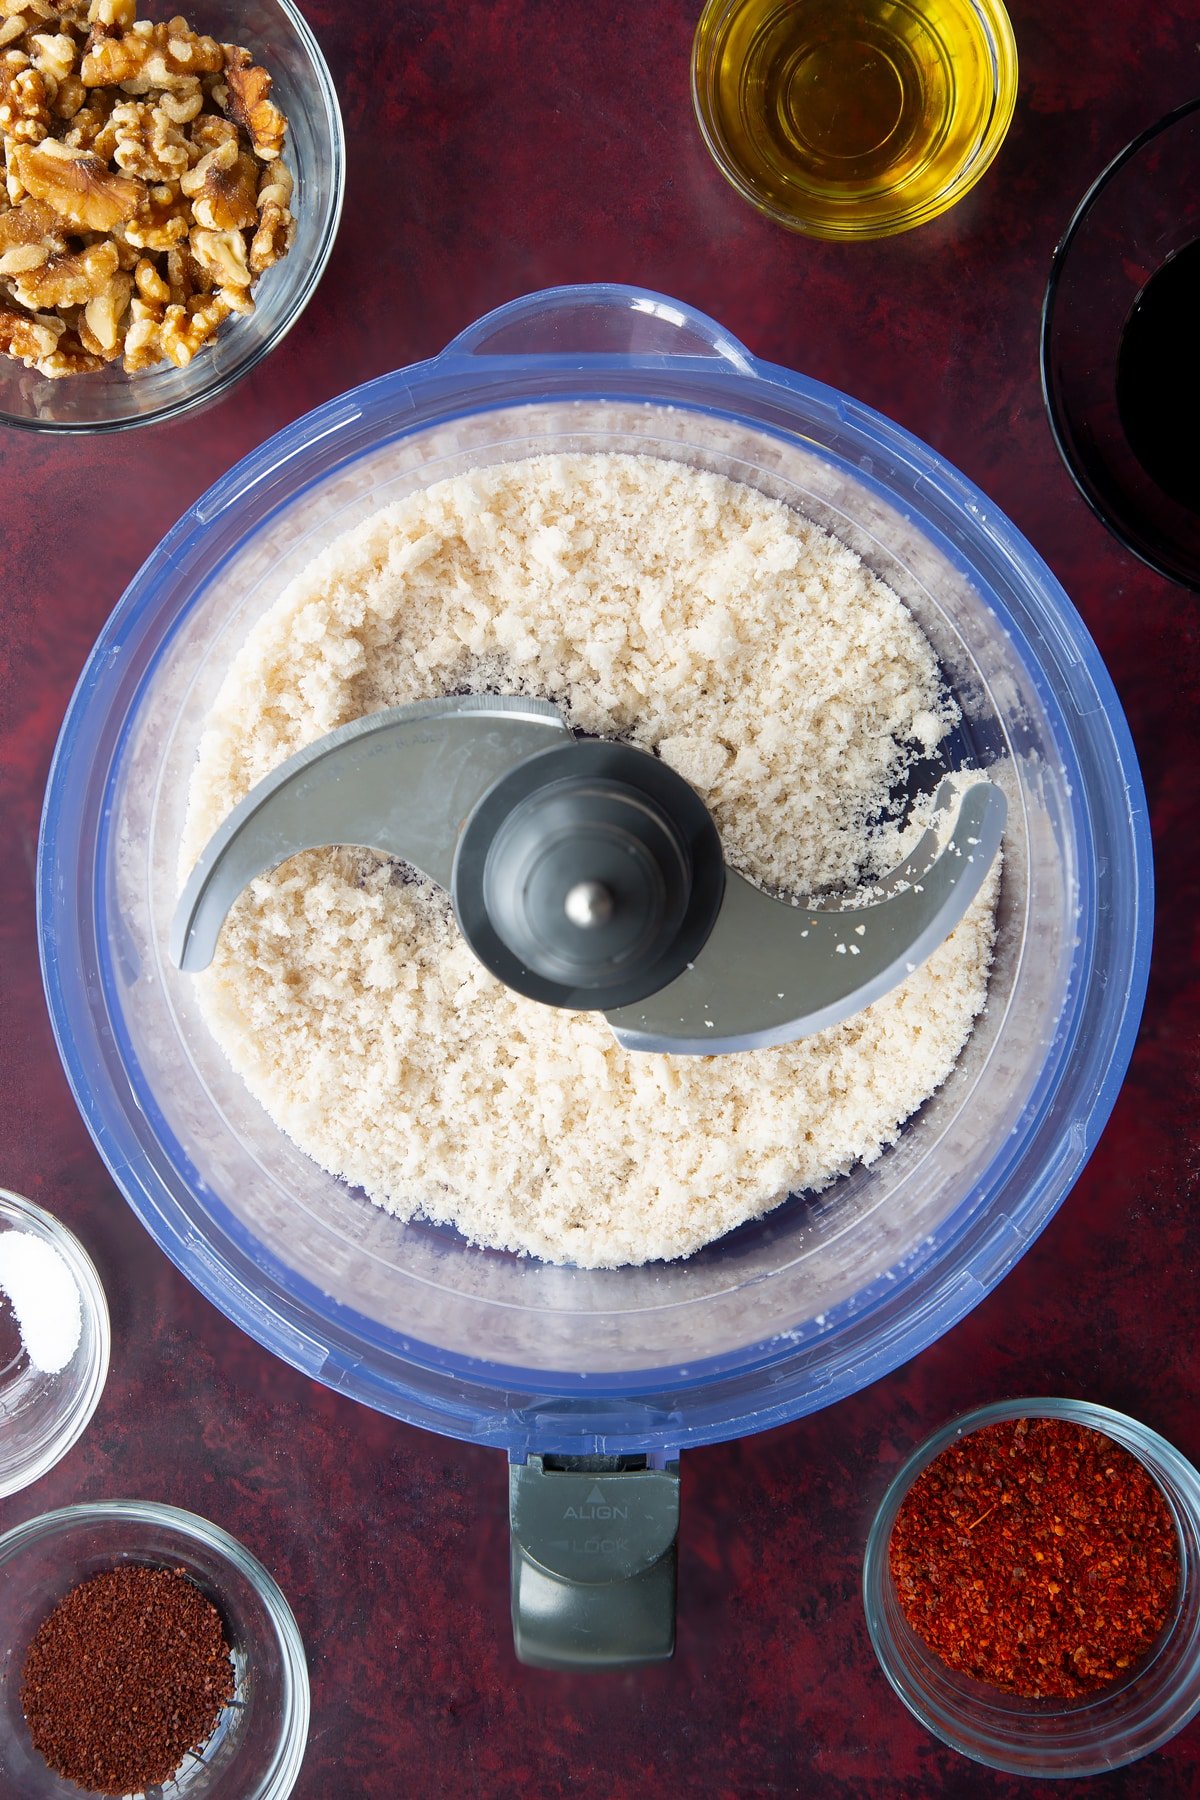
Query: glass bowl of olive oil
point(853, 118)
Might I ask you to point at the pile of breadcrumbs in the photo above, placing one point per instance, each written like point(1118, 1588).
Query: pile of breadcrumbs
point(648, 600)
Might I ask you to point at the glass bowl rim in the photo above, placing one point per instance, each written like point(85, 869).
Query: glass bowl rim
point(208, 391)
point(295, 1706)
point(1055, 411)
point(1157, 1455)
point(994, 18)
point(94, 1308)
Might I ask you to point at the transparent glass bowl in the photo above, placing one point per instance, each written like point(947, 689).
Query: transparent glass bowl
point(1047, 1738)
point(42, 1415)
point(256, 1751)
point(854, 219)
point(1141, 211)
point(111, 400)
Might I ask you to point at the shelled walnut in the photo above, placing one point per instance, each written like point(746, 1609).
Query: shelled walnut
point(143, 193)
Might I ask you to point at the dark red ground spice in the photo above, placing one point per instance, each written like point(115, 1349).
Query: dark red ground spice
point(126, 1676)
point(1037, 1556)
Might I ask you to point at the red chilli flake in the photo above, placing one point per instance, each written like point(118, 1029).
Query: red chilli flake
point(1037, 1556)
point(128, 1674)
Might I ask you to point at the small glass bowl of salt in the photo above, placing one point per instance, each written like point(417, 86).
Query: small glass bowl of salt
point(54, 1341)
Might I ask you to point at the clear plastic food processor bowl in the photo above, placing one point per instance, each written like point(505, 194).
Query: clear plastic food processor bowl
point(785, 1315)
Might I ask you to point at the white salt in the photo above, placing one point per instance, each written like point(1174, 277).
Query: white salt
point(44, 1298)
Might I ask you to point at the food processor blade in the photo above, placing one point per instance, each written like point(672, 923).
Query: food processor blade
point(400, 781)
point(772, 971)
point(588, 874)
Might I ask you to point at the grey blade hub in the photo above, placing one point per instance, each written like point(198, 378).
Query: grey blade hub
point(445, 784)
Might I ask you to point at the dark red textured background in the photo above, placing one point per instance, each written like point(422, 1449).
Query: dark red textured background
point(497, 146)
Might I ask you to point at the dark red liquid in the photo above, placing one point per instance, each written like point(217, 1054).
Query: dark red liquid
point(1158, 377)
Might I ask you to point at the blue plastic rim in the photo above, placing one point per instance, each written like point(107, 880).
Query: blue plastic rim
point(604, 345)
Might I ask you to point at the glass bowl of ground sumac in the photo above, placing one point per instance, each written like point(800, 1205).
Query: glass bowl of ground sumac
point(1032, 1587)
point(145, 1650)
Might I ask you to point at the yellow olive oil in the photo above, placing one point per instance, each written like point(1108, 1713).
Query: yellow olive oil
point(845, 117)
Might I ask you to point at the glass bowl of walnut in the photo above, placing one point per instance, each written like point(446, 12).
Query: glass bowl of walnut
point(170, 189)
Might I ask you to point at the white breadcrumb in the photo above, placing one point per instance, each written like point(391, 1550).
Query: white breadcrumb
point(648, 600)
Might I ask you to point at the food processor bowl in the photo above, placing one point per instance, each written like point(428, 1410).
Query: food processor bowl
point(827, 1292)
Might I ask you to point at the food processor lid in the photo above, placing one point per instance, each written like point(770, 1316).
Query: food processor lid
point(586, 873)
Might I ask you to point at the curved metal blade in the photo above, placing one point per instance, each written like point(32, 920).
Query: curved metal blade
point(771, 971)
point(401, 782)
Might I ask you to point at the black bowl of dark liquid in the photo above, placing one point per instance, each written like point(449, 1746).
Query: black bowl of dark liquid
point(1121, 346)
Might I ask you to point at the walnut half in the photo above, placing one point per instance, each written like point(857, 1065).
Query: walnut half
point(77, 184)
point(223, 189)
point(67, 280)
point(151, 56)
point(30, 339)
point(248, 103)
